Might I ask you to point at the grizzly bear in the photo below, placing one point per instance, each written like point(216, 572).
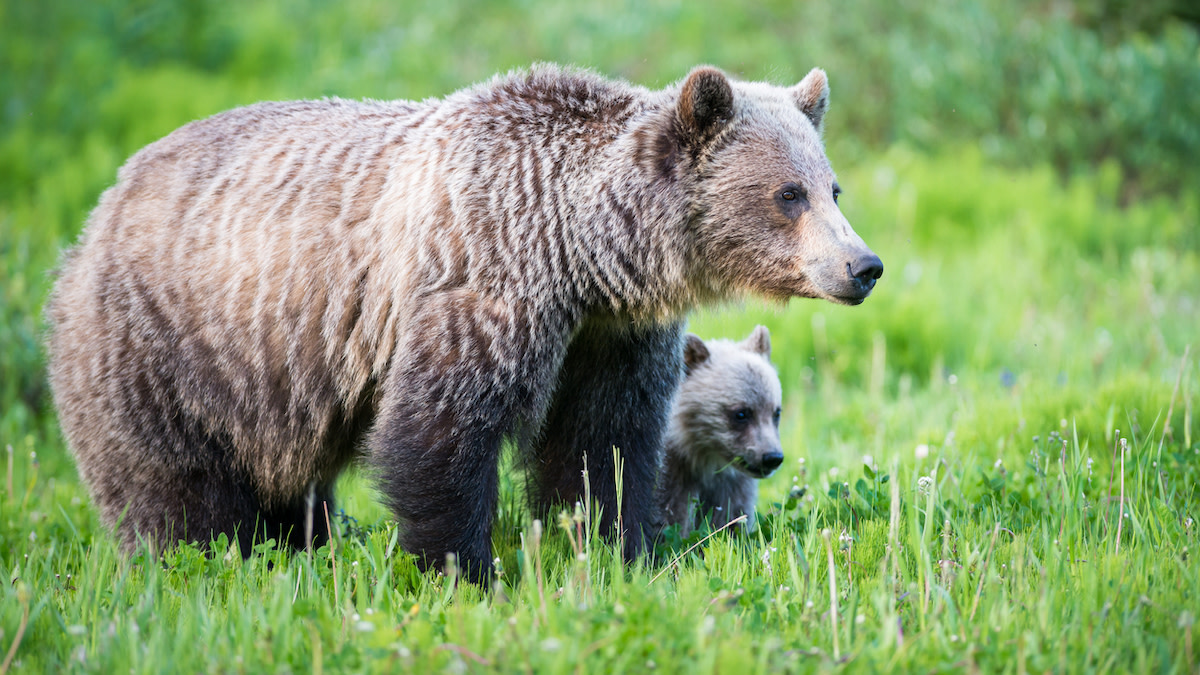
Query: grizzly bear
point(273, 293)
point(724, 432)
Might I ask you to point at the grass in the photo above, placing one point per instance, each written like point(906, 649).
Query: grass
point(938, 563)
point(993, 464)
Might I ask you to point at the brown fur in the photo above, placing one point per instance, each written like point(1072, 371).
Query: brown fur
point(269, 294)
point(724, 433)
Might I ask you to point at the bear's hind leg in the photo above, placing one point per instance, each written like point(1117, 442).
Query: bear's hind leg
point(164, 502)
point(162, 479)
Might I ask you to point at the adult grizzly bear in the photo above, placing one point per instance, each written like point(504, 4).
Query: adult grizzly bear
point(274, 292)
point(723, 433)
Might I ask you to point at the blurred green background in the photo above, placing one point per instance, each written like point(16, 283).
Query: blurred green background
point(1027, 171)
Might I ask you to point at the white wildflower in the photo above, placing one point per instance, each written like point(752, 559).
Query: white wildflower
point(551, 644)
point(924, 484)
point(766, 560)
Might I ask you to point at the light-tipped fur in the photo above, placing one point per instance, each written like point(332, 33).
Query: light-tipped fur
point(270, 294)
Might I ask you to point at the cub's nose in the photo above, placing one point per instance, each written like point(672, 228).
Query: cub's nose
point(865, 271)
point(771, 461)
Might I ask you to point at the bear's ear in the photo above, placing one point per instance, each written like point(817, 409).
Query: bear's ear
point(759, 341)
point(705, 105)
point(694, 353)
point(812, 97)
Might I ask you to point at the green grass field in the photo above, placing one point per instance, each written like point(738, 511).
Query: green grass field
point(993, 464)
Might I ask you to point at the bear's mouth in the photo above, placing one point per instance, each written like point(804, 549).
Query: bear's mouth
point(849, 299)
point(752, 470)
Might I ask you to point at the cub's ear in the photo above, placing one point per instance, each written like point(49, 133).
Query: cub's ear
point(812, 97)
point(759, 341)
point(705, 105)
point(694, 353)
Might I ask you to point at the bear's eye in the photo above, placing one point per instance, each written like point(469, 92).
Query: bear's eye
point(776, 415)
point(792, 200)
point(740, 417)
point(837, 191)
point(792, 193)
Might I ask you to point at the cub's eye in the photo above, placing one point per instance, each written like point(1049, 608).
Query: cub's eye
point(837, 191)
point(776, 415)
point(740, 418)
point(789, 195)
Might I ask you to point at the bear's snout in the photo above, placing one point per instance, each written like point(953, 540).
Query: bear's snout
point(771, 461)
point(762, 466)
point(866, 270)
point(861, 276)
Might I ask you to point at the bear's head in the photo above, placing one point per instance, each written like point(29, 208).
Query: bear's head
point(729, 405)
point(764, 197)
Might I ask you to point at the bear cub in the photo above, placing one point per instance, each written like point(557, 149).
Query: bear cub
point(723, 434)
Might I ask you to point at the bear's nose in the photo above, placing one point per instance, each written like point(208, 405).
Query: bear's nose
point(869, 267)
point(866, 270)
point(772, 461)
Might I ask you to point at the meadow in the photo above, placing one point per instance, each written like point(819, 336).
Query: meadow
point(993, 464)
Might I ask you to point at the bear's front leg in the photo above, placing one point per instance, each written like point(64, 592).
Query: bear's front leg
point(466, 374)
point(615, 389)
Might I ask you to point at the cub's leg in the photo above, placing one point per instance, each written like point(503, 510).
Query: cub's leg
point(615, 390)
point(726, 496)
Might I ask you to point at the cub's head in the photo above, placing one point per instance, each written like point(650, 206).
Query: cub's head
point(765, 199)
point(728, 406)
